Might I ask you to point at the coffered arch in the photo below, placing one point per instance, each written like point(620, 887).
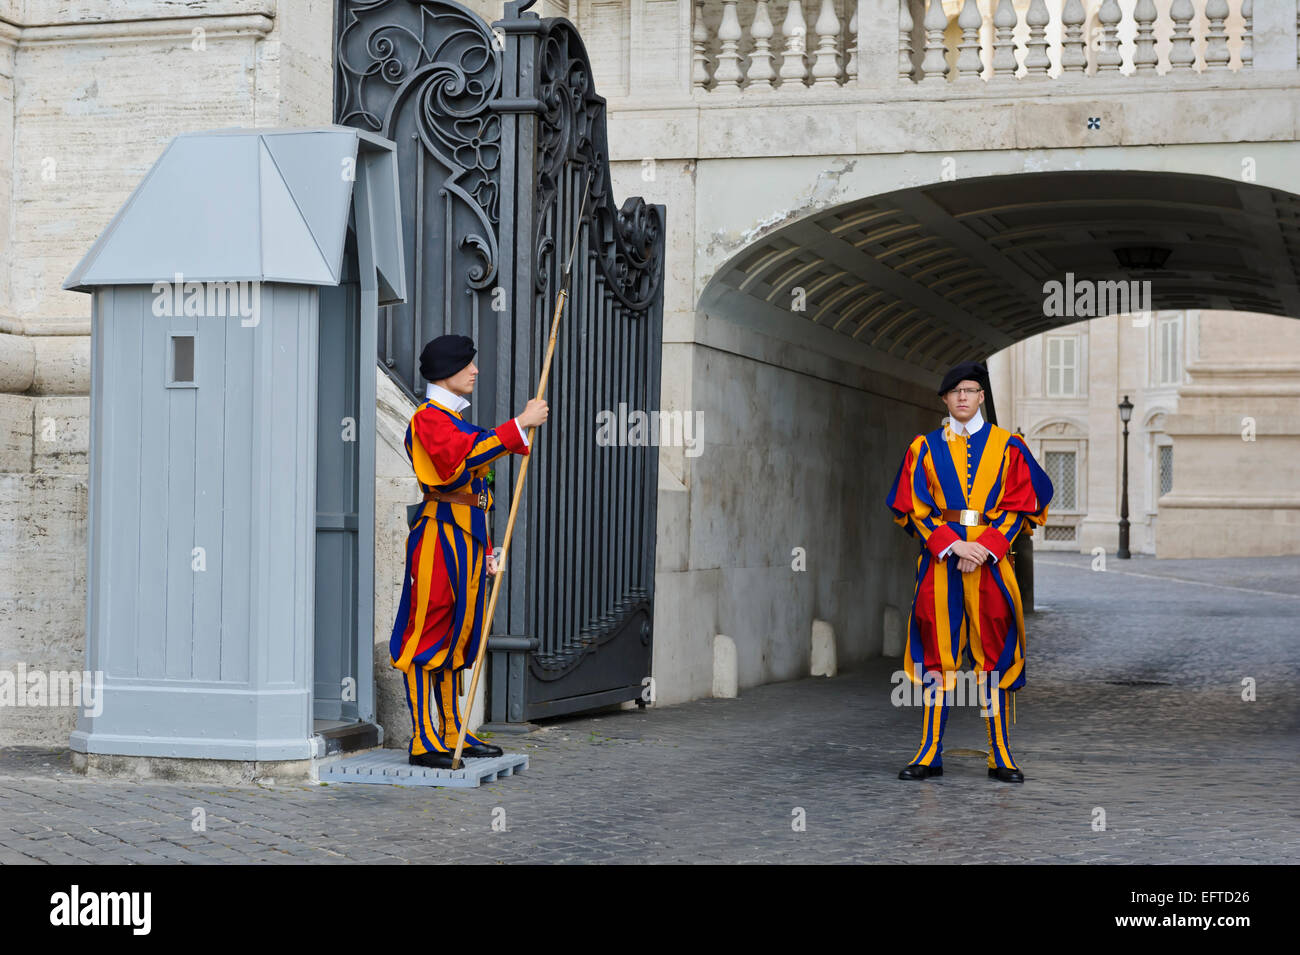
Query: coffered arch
point(925, 276)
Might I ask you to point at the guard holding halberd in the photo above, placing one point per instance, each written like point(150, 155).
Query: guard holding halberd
point(449, 554)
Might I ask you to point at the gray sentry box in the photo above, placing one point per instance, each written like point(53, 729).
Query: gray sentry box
point(231, 543)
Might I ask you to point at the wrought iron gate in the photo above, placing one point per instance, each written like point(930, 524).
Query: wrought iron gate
point(497, 130)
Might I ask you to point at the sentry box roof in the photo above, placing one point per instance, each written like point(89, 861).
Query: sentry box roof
point(253, 205)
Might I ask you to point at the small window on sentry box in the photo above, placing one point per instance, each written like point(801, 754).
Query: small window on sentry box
point(181, 360)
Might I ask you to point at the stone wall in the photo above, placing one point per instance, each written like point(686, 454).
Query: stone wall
point(90, 94)
point(42, 551)
point(784, 520)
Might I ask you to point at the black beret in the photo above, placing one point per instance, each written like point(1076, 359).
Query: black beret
point(966, 371)
point(446, 355)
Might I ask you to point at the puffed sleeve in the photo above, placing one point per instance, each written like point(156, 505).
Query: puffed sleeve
point(1025, 491)
point(913, 506)
point(443, 447)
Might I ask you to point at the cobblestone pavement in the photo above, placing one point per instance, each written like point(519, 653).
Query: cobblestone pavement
point(1133, 707)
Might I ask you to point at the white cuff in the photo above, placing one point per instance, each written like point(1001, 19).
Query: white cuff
point(944, 553)
point(522, 433)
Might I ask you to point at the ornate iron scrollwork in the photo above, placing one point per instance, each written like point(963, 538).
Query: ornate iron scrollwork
point(445, 62)
point(572, 130)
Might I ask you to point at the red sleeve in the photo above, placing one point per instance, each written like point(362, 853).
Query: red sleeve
point(995, 542)
point(942, 538)
point(512, 436)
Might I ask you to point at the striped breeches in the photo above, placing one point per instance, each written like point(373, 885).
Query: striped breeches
point(438, 627)
point(997, 724)
point(440, 616)
point(435, 711)
point(976, 618)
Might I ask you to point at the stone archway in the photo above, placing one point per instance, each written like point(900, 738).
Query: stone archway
point(833, 323)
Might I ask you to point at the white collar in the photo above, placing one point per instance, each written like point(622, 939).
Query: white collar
point(445, 398)
point(970, 427)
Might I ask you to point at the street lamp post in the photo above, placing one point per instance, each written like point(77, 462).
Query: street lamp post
point(1125, 413)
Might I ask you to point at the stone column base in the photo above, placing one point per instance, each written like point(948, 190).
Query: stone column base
point(225, 772)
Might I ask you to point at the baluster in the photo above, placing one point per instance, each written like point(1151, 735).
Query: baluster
point(968, 60)
point(1247, 34)
point(1216, 41)
point(795, 30)
point(1004, 44)
point(1181, 54)
point(1108, 58)
point(728, 69)
point(1037, 62)
point(761, 74)
point(1074, 51)
point(699, 43)
point(826, 69)
point(851, 69)
point(1144, 54)
point(905, 49)
point(934, 67)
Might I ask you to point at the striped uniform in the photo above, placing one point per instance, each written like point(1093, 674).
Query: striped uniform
point(975, 617)
point(444, 592)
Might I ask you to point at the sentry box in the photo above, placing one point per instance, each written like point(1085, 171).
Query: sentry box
point(232, 404)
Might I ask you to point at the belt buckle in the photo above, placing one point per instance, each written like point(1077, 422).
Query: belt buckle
point(482, 500)
point(970, 518)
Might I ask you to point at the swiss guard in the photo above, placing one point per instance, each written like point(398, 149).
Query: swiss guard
point(449, 554)
point(965, 490)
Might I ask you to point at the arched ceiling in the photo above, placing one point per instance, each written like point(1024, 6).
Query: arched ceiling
point(936, 274)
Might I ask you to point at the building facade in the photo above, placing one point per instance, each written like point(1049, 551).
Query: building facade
point(1058, 387)
point(1062, 391)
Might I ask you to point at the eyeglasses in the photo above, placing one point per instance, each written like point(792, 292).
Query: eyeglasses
point(965, 392)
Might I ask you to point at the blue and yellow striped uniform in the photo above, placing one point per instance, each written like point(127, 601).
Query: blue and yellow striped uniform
point(977, 617)
point(440, 617)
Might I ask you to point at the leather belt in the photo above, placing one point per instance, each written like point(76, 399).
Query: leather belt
point(965, 518)
point(467, 497)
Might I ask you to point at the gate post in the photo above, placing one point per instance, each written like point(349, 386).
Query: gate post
point(518, 107)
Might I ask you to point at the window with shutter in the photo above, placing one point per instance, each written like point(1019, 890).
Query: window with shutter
point(1060, 467)
point(1062, 366)
point(1169, 369)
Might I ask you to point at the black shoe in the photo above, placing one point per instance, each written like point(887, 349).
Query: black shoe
point(919, 771)
point(1007, 775)
point(477, 750)
point(431, 760)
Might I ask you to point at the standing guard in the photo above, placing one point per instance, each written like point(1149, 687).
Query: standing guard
point(449, 553)
point(965, 490)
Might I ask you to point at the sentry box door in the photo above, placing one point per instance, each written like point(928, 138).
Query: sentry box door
point(342, 686)
point(371, 272)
